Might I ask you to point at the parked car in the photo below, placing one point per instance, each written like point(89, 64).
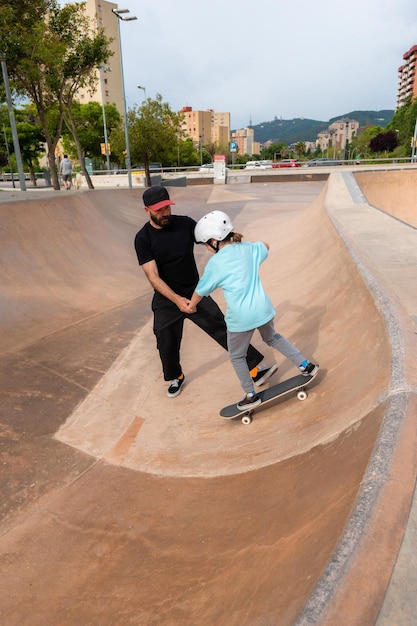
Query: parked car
point(139, 169)
point(322, 162)
point(153, 168)
point(287, 163)
point(258, 165)
point(209, 167)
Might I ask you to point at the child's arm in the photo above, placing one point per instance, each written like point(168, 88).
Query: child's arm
point(195, 299)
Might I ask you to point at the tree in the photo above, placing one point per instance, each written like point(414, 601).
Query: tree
point(403, 123)
point(384, 142)
point(30, 136)
point(90, 128)
point(51, 53)
point(31, 139)
point(300, 148)
point(87, 50)
point(154, 130)
point(187, 153)
point(275, 150)
point(363, 140)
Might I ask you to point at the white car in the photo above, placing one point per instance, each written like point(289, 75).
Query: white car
point(209, 167)
point(258, 165)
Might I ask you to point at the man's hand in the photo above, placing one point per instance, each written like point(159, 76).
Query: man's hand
point(151, 272)
point(190, 308)
point(183, 305)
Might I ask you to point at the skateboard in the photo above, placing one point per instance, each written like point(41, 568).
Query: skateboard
point(296, 383)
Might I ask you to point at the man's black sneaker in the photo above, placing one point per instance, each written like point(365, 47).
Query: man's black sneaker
point(175, 387)
point(249, 401)
point(309, 369)
point(263, 374)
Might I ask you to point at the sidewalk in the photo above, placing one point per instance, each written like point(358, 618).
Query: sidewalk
point(384, 521)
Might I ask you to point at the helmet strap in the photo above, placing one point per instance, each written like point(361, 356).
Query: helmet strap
point(215, 246)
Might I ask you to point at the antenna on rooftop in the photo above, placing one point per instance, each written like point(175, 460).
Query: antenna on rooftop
point(250, 119)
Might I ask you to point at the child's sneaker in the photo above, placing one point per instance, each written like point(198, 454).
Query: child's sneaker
point(263, 374)
point(308, 369)
point(175, 387)
point(249, 401)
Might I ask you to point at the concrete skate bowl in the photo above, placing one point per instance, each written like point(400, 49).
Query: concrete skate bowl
point(393, 192)
point(121, 506)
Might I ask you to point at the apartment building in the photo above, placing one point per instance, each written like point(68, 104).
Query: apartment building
point(220, 128)
point(207, 126)
point(109, 87)
point(407, 85)
point(245, 140)
point(337, 134)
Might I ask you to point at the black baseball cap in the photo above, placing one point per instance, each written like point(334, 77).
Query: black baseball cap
point(156, 197)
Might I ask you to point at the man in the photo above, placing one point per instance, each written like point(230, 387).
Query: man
point(65, 170)
point(165, 251)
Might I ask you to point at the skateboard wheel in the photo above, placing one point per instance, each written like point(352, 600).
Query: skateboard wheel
point(302, 395)
point(246, 419)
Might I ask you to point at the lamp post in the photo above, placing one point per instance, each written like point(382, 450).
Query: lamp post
point(333, 135)
point(143, 88)
point(13, 124)
point(119, 13)
point(104, 68)
point(346, 140)
point(414, 142)
point(6, 143)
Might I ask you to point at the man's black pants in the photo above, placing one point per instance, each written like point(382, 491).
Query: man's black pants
point(168, 328)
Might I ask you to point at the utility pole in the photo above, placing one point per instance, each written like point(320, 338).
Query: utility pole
point(13, 124)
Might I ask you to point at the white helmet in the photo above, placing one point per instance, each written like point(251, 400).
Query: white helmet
point(215, 225)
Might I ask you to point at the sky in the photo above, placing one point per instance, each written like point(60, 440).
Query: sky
point(267, 59)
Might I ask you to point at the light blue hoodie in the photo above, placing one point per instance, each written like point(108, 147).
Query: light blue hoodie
point(235, 269)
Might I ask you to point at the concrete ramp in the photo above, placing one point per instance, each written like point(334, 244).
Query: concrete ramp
point(123, 506)
point(59, 262)
point(393, 191)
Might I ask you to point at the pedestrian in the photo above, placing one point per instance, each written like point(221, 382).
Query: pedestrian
point(165, 251)
point(235, 269)
point(65, 170)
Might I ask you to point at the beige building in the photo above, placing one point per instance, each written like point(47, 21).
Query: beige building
point(245, 140)
point(338, 133)
point(109, 87)
point(207, 126)
point(220, 128)
point(407, 85)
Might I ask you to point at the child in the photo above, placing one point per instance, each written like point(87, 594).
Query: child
point(235, 269)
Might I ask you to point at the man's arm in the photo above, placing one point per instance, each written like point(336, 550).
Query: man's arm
point(151, 272)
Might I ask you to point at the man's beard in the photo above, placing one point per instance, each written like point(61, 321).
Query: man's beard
point(162, 222)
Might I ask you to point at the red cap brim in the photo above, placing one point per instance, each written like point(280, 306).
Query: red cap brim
point(159, 205)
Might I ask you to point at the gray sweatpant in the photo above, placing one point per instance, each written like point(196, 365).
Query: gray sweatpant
point(237, 345)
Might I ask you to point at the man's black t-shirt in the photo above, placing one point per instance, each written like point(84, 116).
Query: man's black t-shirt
point(172, 249)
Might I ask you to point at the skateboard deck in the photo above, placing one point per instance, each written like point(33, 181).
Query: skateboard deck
point(296, 383)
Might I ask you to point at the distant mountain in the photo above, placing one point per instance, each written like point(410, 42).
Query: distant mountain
point(302, 129)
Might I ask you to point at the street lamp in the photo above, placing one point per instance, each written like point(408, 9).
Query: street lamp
point(6, 143)
point(143, 88)
point(333, 138)
point(104, 68)
point(346, 140)
point(13, 124)
point(414, 144)
point(119, 13)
